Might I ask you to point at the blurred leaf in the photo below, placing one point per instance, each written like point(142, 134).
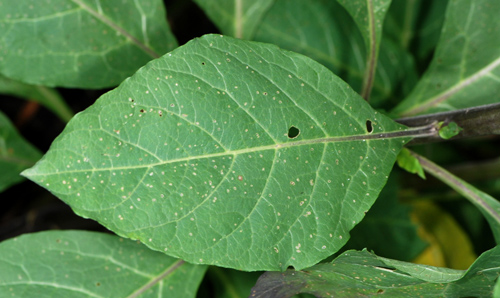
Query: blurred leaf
point(80, 43)
point(387, 228)
point(410, 163)
point(48, 97)
point(415, 25)
point(88, 264)
point(450, 130)
point(489, 206)
point(465, 70)
point(324, 31)
point(236, 18)
point(16, 154)
point(369, 16)
point(192, 155)
point(449, 244)
point(363, 274)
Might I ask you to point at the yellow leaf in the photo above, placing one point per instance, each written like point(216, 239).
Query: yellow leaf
point(449, 245)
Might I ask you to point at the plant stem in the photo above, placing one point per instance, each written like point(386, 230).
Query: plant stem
point(475, 122)
point(371, 61)
point(458, 185)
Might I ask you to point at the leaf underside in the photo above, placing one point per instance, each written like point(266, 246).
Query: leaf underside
point(363, 274)
point(192, 155)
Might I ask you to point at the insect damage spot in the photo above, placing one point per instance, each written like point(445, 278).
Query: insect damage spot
point(293, 132)
point(369, 127)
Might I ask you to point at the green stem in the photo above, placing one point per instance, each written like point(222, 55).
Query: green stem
point(457, 184)
point(371, 61)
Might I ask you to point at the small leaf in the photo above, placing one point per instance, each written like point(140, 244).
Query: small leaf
point(16, 154)
point(410, 163)
point(236, 18)
point(465, 67)
point(192, 155)
point(89, 264)
point(48, 97)
point(363, 274)
point(80, 43)
point(450, 130)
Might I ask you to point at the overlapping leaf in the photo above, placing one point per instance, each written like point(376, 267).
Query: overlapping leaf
point(360, 274)
point(465, 70)
point(16, 154)
point(80, 43)
point(324, 31)
point(237, 18)
point(192, 155)
point(88, 264)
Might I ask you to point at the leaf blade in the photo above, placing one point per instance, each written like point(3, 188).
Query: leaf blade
point(236, 18)
point(232, 188)
point(464, 70)
point(81, 43)
point(16, 154)
point(90, 264)
point(351, 274)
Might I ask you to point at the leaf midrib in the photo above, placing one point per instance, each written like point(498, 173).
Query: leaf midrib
point(401, 134)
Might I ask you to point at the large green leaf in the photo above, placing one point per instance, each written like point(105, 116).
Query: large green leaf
point(16, 154)
point(88, 264)
point(80, 43)
point(369, 17)
point(237, 18)
point(324, 31)
point(48, 97)
point(227, 152)
point(363, 274)
point(465, 70)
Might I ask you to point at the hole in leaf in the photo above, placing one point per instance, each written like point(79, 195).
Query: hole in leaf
point(369, 127)
point(142, 111)
point(202, 63)
point(293, 132)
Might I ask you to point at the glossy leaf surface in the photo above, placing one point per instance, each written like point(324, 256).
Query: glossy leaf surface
point(193, 156)
point(237, 18)
point(80, 43)
point(16, 154)
point(360, 274)
point(88, 264)
point(465, 70)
